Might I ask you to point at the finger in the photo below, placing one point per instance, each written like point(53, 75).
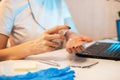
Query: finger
point(82, 48)
point(54, 36)
point(73, 50)
point(48, 48)
point(78, 49)
point(84, 38)
point(53, 44)
point(69, 50)
point(56, 29)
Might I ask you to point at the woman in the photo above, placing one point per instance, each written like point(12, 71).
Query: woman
point(26, 24)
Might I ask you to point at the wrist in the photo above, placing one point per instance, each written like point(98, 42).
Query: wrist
point(71, 35)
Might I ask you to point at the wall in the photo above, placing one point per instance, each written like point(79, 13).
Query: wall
point(95, 18)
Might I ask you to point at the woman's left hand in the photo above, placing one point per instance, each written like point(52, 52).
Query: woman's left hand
point(76, 44)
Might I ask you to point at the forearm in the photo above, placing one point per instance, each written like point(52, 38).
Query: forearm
point(16, 52)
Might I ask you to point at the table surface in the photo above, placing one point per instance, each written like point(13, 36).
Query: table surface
point(104, 70)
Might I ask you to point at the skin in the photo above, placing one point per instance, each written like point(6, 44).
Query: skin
point(76, 42)
point(3, 41)
point(42, 44)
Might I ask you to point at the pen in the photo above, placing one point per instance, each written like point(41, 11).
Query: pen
point(49, 62)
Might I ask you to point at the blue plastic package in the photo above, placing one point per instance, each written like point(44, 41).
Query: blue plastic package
point(47, 74)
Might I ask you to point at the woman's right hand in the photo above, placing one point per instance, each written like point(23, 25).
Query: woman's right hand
point(45, 42)
point(42, 44)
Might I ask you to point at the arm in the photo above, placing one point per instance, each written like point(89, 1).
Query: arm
point(3, 41)
point(16, 52)
point(40, 45)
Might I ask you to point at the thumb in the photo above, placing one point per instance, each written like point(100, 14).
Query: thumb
point(56, 29)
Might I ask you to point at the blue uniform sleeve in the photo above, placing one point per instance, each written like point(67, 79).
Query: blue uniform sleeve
point(68, 20)
point(65, 10)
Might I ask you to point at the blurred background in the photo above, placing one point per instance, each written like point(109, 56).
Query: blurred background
point(95, 18)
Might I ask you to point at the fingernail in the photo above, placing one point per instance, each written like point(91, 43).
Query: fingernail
point(69, 27)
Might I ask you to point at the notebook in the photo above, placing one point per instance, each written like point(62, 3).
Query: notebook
point(102, 50)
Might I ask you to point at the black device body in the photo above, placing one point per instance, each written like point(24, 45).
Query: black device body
point(102, 50)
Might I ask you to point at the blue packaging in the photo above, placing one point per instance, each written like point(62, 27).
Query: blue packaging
point(118, 29)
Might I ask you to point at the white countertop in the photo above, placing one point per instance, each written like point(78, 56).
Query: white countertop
point(104, 70)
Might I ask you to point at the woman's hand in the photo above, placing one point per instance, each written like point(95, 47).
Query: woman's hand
point(76, 44)
point(46, 41)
